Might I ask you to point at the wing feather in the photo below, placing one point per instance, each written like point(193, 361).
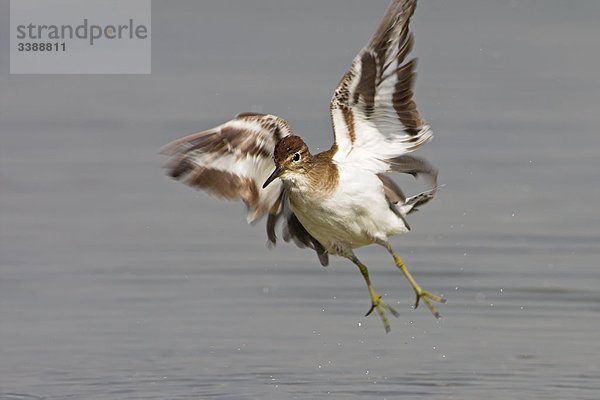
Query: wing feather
point(374, 116)
point(232, 160)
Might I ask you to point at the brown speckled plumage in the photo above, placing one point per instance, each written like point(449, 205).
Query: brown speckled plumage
point(340, 199)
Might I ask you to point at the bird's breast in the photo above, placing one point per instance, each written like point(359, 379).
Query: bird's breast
point(355, 214)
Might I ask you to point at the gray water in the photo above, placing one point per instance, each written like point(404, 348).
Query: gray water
point(118, 283)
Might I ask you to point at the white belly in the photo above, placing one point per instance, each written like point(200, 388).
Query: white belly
point(355, 215)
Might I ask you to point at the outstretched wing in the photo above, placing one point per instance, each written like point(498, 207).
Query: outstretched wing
point(374, 116)
point(232, 160)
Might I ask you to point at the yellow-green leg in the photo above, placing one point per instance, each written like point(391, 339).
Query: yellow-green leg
point(420, 293)
point(376, 302)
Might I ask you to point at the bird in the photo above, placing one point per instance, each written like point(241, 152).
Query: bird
point(341, 199)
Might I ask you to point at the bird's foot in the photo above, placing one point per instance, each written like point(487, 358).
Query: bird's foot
point(382, 307)
point(427, 298)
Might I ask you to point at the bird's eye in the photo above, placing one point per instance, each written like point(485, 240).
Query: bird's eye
point(296, 157)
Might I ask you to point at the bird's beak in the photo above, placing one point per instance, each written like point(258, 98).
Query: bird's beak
point(276, 174)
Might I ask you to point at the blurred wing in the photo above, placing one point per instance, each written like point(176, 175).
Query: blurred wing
point(232, 161)
point(373, 114)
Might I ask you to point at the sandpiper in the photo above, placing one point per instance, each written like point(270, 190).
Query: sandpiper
point(341, 199)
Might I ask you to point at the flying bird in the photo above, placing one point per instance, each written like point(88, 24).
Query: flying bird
point(340, 199)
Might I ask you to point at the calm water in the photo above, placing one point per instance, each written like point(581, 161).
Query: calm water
point(118, 283)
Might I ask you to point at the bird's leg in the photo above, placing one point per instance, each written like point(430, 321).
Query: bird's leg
point(376, 302)
point(426, 296)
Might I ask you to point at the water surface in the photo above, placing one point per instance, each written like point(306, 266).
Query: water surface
point(116, 282)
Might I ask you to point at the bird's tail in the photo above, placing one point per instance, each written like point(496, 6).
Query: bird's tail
point(411, 203)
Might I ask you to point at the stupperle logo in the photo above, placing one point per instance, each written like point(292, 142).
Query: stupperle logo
point(80, 37)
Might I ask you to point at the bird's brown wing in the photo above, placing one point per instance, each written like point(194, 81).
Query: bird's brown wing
point(231, 161)
point(373, 112)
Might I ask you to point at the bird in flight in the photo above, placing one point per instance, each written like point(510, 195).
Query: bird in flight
point(341, 199)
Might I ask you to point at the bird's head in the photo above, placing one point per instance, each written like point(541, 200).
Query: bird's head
point(291, 157)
